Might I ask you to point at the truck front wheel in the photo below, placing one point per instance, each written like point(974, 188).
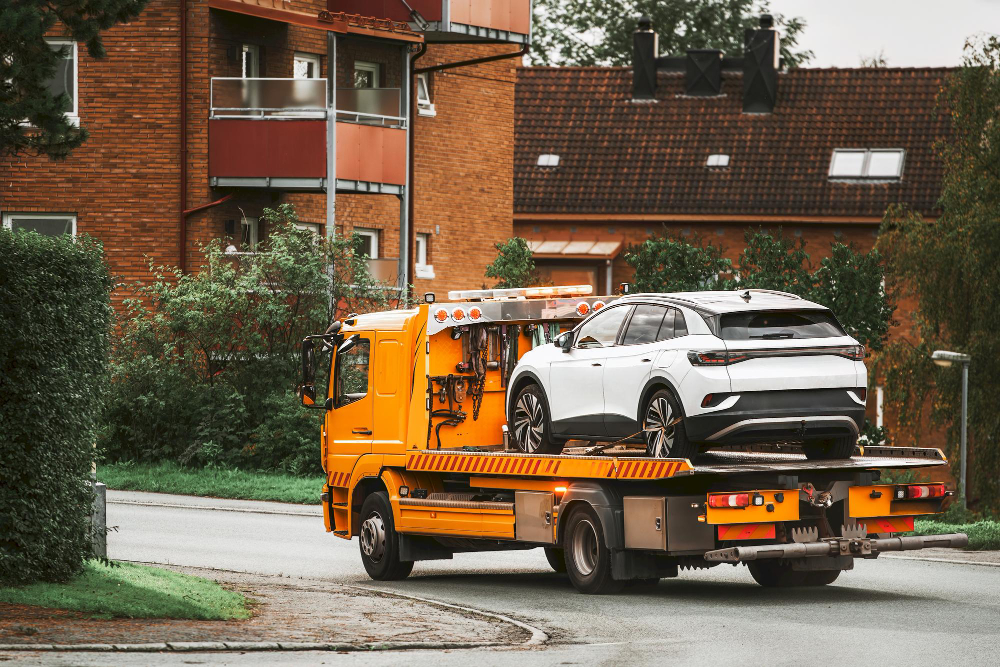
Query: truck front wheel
point(588, 559)
point(379, 541)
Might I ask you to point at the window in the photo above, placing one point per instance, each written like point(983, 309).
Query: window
point(646, 325)
point(680, 324)
point(65, 79)
point(602, 329)
point(861, 163)
point(249, 230)
point(548, 160)
point(779, 325)
point(308, 227)
point(424, 105)
point(251, 61)
point(306, 66)
point(367, 242)
point(352, 371)
point(424, 270)
point(47, 224)
point(366, 75)
point(717, 160)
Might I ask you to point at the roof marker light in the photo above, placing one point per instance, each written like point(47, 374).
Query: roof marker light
point(598, 305)
point(582, 308)
point(458, 314)
point(475, 313)
point(441, 314)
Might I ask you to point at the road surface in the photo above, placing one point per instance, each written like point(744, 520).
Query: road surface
point(888, 610)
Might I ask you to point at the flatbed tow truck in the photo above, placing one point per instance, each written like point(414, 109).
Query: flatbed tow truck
point(419, 466)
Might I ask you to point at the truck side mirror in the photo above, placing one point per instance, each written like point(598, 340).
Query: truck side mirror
point(307, 390)
point(564, 341)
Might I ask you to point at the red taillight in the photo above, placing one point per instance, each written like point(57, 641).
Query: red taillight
point(717, 358)
point(920, 491)
point(724, 500)
point(862, 393)
point(705, 402)
point(853, 352)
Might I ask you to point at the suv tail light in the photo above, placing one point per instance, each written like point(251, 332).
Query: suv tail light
point(723, 500)
point(920, 491)
point(716, 358)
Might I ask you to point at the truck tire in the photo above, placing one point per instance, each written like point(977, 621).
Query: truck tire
point(529, 423)
point(588, 559)
point(556, 558)
point(379, 541)
point(820, 577)
point(838, 448)
point(665, 436)
point(774, 573)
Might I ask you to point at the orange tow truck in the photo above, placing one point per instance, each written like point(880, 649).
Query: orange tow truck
point(419, 466)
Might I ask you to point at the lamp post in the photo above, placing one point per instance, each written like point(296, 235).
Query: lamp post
point(946, 359)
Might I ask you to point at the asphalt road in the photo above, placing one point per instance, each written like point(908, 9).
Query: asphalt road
point(888, 610)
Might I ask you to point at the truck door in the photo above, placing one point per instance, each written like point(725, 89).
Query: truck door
point(349, 424)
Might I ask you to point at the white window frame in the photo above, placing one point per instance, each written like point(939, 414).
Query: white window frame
point(548, 160)
point(74, 115)
point(244, 72)
point(424, 105)
point(423, 269)
point(249, 234)
point(865, 163)
point(369, 234)
point(9, 217)
point(717, 160)
point(367, 66)
point(312, 58)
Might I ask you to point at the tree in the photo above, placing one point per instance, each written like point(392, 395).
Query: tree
point(875, 60)
point(951, 267)
point(665, 264)
point(513, 266)
point(599, 32)
point(28, 64)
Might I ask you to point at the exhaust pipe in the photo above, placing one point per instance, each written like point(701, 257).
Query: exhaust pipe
point(836, 547)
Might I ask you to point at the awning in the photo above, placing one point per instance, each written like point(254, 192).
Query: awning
point(542, 249)
point(353, 24)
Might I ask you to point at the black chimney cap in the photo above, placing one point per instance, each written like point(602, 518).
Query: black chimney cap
point(766, 21)
point(645, 23)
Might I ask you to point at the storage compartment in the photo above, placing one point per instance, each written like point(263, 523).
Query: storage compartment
point(533, 517)
point(685, 534)
point(645, 523)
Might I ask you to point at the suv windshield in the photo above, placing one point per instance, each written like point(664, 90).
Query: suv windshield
point(780, 325)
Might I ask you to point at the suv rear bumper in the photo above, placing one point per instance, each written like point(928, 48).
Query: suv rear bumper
point(768, 416)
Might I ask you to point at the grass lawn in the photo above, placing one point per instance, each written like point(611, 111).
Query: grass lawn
point(213, 482)
point(133, 591)
point(983, 535)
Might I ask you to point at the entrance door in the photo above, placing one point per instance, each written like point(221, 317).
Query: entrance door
point(351, 421)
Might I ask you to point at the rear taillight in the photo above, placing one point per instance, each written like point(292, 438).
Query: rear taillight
point(724, 500)
point(853, 352)
point(920, 491)
point(716, 358)
point(862, 393)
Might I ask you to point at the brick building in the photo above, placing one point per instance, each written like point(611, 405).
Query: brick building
point(204, 112)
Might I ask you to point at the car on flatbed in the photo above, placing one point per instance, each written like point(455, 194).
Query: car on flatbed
point(687, 370)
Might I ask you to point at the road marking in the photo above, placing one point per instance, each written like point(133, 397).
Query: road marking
point(317, 512)
point(942, 560)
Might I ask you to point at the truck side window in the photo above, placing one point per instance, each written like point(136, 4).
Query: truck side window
point(352, 373)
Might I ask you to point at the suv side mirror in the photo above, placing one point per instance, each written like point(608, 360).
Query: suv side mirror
point(564, 341)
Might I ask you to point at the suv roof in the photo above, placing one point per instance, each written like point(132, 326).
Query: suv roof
point(717, 302)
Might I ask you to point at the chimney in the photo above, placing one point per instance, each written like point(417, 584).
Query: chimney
point(644, 47)
point(760, 67)
point(703, 72)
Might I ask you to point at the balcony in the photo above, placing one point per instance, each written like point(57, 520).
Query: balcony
point(271, 133)
point(446, 20)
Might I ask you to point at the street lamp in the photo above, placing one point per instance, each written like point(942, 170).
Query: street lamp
point(945, 358)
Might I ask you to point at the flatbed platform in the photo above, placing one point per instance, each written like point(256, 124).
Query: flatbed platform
point(629, 464)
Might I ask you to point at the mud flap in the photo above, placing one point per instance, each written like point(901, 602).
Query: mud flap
point(626, 565)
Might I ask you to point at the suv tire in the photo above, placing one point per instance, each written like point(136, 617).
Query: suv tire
point(663, 428)
point(838, 448)
point(529, 423)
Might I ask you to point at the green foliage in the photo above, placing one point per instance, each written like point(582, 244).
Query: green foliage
point(983, 535)
point(216, 481)
point(951, 268)
point(28, 63)
point(873, 435)
point(127, 590)
point(666, 264)
point(851, 285)
point(204, 364)
point(55, 315)
point(513, 266)
point(599, 32)
point(771, 261)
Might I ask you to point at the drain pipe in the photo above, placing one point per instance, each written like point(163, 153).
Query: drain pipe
point(182, 242)
point(475, 61)
point(202, 207)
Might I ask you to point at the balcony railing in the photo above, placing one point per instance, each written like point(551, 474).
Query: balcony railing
point(284, 99)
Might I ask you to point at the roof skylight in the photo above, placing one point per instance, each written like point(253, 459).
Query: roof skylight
point(548, 160)
point(867, 163)
point(717, 160)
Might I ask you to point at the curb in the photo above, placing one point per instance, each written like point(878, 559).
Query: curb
point(215, 647)
point(955, 561)
point(318, 511)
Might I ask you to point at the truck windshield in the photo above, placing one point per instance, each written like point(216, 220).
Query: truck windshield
point(780, 325)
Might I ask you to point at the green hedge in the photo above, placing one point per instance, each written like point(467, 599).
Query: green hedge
point(55, 316)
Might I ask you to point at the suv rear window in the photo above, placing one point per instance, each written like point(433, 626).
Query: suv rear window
point(780, 325)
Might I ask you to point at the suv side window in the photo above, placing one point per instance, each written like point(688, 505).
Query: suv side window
point(602, 329)
point(646, 325)
point(352, 373)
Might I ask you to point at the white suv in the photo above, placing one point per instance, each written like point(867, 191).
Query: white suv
point(695, 368)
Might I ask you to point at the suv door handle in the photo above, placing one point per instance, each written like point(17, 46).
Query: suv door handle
point(362, 431)
point(595, 364)
point(646, 361)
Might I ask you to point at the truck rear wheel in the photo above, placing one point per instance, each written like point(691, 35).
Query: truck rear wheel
point(820, 577)
point(588, 559)
point(379, 541)
point(775, 573)
point(556, 558)
point(838, 448)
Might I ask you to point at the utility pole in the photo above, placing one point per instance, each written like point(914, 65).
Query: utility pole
point(945, 358)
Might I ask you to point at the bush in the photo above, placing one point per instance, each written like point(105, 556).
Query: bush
point(666, 264)
point(513, 266)
point(55, 315)
point(204, 365)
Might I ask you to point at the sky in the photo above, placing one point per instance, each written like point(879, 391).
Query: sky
point(910, 33)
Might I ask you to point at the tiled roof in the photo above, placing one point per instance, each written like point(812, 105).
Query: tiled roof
point(621, 157)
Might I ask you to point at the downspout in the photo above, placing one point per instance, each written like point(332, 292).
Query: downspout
point(202, 207)
point(475, 61)
point(183, 195)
